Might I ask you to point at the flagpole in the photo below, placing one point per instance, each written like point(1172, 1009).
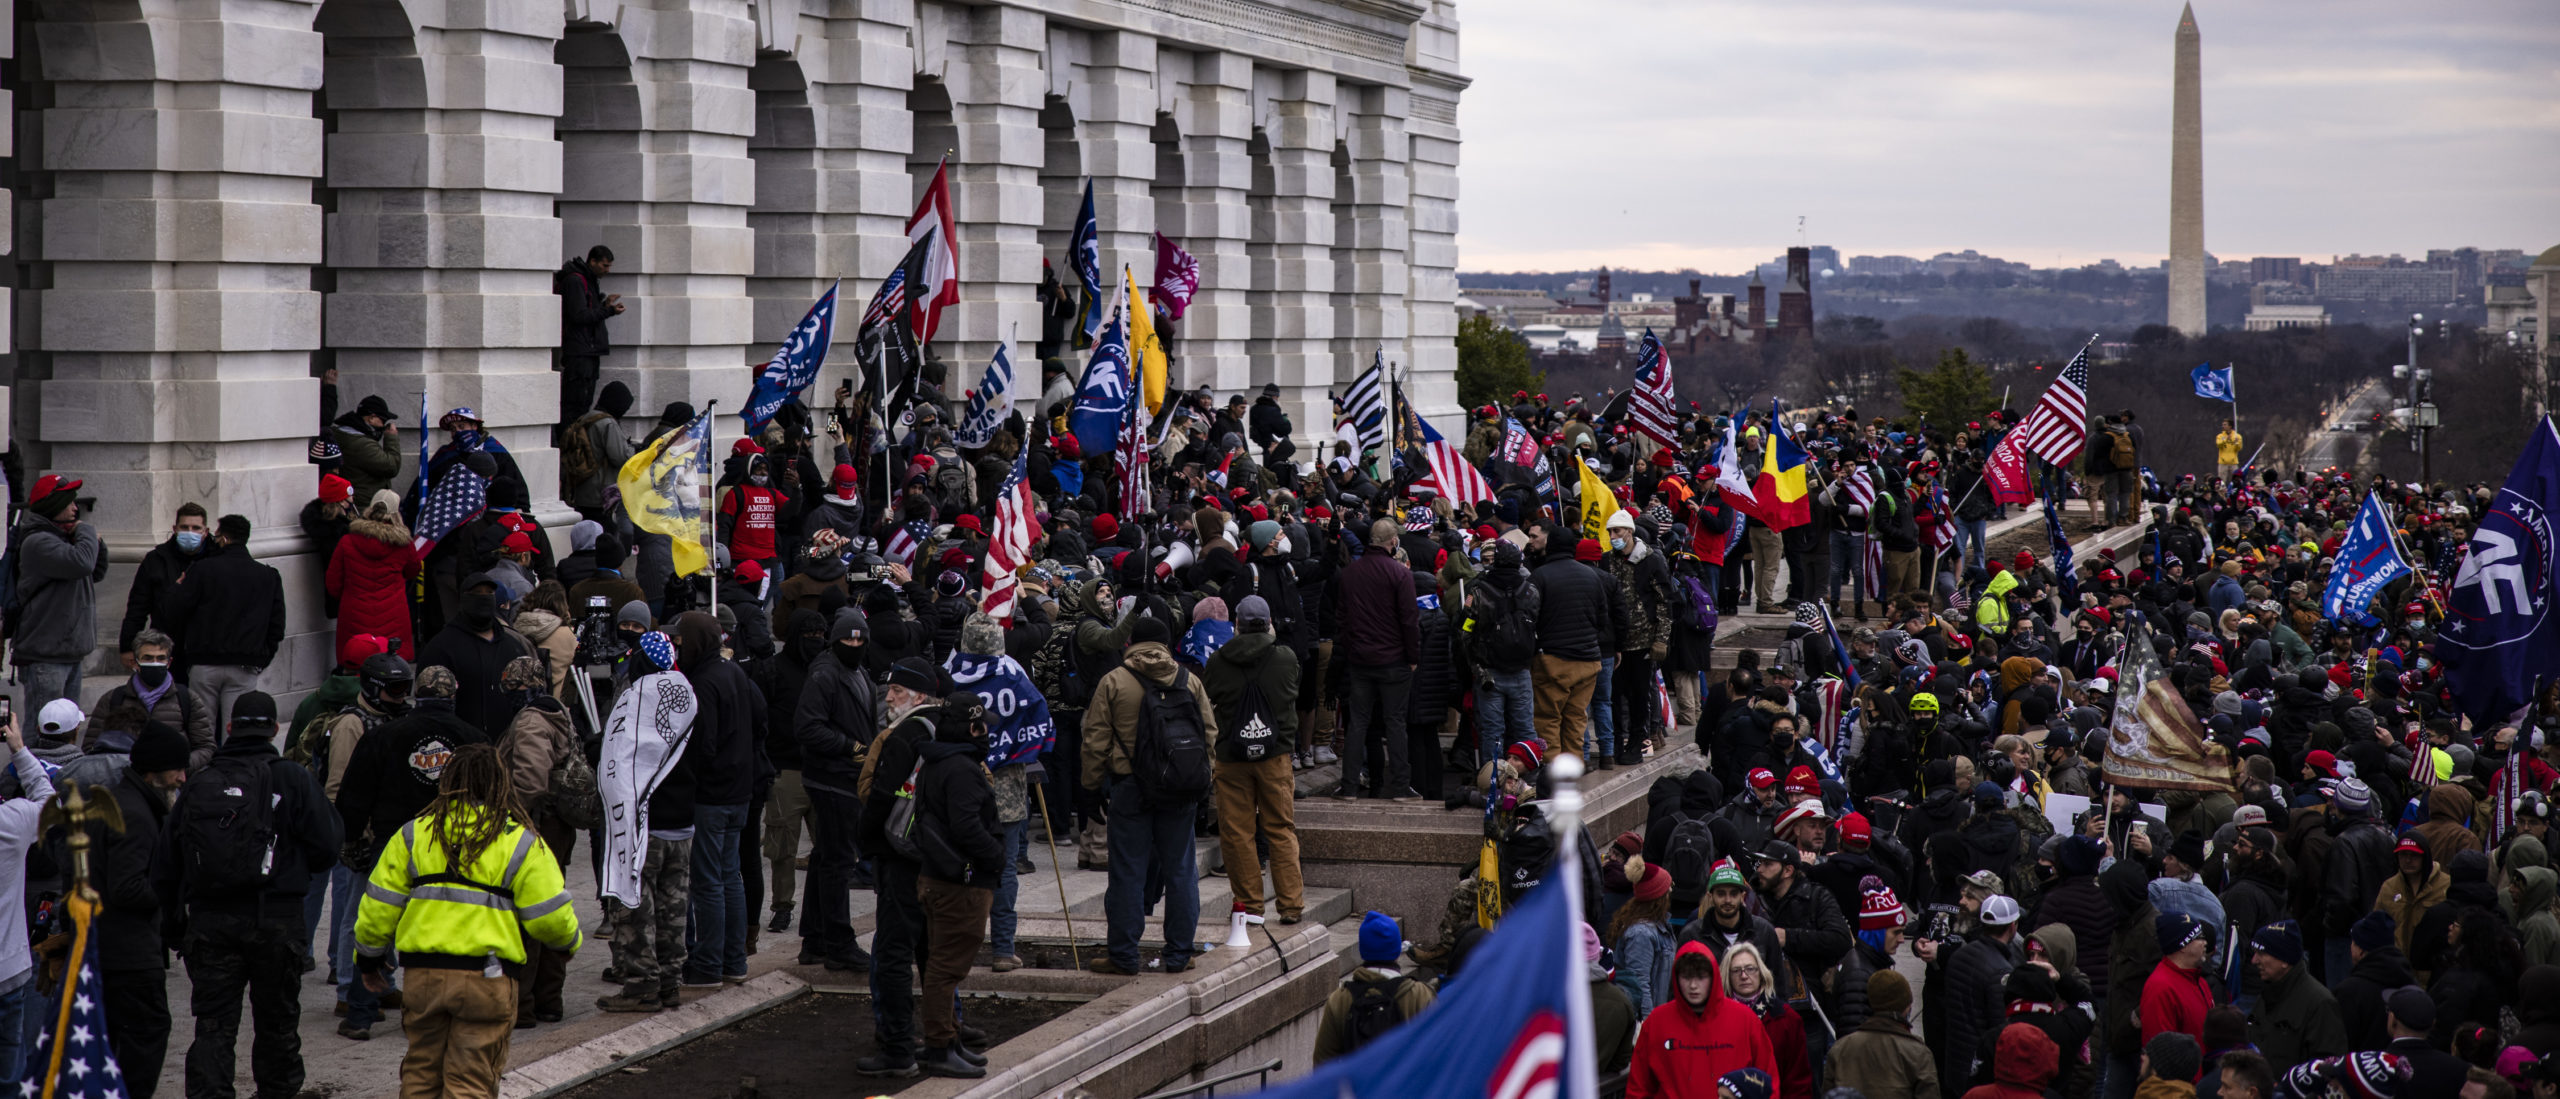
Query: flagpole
point(710, 524)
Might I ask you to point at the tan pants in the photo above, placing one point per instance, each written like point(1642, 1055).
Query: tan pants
point(955, 923)
point(786, 809)
point(1766, 551)
point(1563, 695)
point(459, 1024)
point(1902, 575)
point(1262, 792)
point(1685, 702)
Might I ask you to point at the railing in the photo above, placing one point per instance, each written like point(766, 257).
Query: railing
point(1209, 1087)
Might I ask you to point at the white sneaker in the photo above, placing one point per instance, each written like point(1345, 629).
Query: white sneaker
point(1325, 756)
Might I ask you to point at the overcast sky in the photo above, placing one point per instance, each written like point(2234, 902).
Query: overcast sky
point(1663, 134)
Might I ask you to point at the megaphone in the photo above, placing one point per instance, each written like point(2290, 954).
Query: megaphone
point(1237, 921)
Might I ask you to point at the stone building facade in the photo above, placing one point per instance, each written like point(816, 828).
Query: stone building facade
point(216, 200)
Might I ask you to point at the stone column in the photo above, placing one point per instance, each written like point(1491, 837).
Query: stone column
point(1214, 109)
point(442, 243)
point(831, 195)
point(993, 72)
point(1293, 347)
point(1381, 188)
point(654, 131)
point(1431, 295)
point(1117, 127)
point(173, 343)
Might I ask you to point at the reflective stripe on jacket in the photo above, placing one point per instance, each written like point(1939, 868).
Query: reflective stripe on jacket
point(443, 917)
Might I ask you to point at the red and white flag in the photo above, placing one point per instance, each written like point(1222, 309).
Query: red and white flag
point(1017, 526)
point(1452, 476)
point(940, 285)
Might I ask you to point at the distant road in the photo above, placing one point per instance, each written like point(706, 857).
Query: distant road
point(2342, 438)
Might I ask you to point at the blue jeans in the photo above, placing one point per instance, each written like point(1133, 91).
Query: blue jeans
point(1002, 919)
point(1150, 843)
point(1506, 712)
point(719, 889)
point(1604, 733)
point(1970, 537)
point(1845, 569)
point(46, 682)
point(17, 1008)
point(346, 889)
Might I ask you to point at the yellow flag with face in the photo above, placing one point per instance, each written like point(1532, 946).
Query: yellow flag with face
point(1598, 503)
point(1145, 349)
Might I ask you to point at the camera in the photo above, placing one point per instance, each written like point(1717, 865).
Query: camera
point(598, 641)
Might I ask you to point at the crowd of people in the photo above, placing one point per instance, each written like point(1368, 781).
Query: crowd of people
point(1172, 658)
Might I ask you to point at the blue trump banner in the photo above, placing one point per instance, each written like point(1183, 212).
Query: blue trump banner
point(2368, 561)
point(1018, 723)
point(2498, 631)
point(2214, 385)
point(794, 367)
point(1104, 395)
point(989, 403)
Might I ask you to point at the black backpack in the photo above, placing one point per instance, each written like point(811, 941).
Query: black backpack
point(1510, 639)
point(1373, 1010)
point(226, 827)
point(1171, 756)
point(1689, 853)
point(1253, 738)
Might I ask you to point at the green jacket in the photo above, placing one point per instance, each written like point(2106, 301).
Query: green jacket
point(1255, 658)
point(2297, 1020)
point(2535, 924)
point(336, 692)
point(1613, 1023)
point(367, 460)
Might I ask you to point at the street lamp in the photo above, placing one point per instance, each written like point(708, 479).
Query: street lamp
point(2424, 418)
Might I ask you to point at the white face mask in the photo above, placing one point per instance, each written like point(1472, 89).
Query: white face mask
point(1281, 546)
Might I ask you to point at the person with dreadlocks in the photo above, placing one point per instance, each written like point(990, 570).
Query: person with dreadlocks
point(456, 892)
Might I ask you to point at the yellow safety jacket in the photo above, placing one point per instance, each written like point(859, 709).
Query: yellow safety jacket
point(1991, 611)
point(471, 917)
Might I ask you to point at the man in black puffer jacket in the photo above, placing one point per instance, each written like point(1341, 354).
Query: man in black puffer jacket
point(781, 678)
point(2359, 860)
point(1575, 618)
point(1434, 690)
point(2075, 900)
point(727, 743)
point(956, 829)
point(834, 721)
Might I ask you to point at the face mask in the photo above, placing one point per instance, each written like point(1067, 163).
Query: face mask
point(757, 479)
point(849, 653)
point(1281, 546)
point(479, 609)
point(152, 675)
point(1618, 544)
point(190, 540)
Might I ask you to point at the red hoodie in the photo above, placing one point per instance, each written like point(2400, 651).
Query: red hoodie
point(2021, 1065)
point(1683, 1050)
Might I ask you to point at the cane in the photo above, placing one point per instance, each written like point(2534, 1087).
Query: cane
point(1042, 792)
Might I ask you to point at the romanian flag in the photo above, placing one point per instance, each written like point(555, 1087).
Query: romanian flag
point(1599, 502)
point(1778, 496)
point(1144, 347)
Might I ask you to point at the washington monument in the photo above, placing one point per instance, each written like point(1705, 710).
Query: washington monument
point(2186, 184)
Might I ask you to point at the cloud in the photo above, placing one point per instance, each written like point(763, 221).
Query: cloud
point(1667, 133)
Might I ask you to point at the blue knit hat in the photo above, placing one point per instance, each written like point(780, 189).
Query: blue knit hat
point(2374, 930)
point(1381, 941)
point(2281, 940)
point(1744, 1083)
point(2177, 929)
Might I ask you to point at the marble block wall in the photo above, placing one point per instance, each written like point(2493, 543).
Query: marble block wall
point(223, 197)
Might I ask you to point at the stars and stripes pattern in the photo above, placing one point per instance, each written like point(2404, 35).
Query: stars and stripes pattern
point(905, 541)
point(2058, 426)
point(1649, 404)
point(89, 1069)
point(888, 301)
point(1942, 534)
point(1450, 473)
point(1129, 457)
point(1017, 526)
point(1364, 406)
point(1871, 565)
point(459, 498)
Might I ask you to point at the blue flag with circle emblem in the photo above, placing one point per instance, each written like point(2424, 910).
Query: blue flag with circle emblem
point(1103, 396)
point(2499, 635)
point(2214, 385)
point(2368, 560)
point(796, 366)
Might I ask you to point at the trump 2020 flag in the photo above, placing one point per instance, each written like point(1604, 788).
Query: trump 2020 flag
point(2368, 560)
point(989, 403)
point(794, 367)
point(1514, 1024)
point(1104, 395)
point(2499, 633)
point(2214, 385)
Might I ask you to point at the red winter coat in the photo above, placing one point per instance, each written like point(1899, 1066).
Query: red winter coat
point(369, 577)
point(2021, 1065)
point(1683, 1050)
point(2175, 999)
point(1786, 1041)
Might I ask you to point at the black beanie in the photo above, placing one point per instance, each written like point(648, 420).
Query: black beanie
point(1148, 629)
point(159, 748)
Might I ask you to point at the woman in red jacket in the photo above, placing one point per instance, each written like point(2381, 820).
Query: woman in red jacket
point(1748, 980)
point(1690, 1042)
point(369, 575)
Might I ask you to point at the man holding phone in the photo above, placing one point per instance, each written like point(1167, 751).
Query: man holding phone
point(584, 307)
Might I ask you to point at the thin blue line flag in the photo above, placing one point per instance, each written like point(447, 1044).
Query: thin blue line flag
point(1104, 394)
point(2368, 561)
point(796, 366)
point(2499, 634)
point(1084, 254)
point(2214, 385)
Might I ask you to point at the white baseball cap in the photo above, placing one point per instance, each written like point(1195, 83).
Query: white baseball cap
point(1999, 910)
point(60, 717)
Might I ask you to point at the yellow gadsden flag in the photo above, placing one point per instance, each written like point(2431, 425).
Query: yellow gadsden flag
point(1144, 348)
point(662, 491)
point(1598, 503)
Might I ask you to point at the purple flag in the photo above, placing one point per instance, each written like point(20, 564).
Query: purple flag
point(1177, 276)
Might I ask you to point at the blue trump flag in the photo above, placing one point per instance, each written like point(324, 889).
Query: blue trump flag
point(2499, 634)
point(1084, 254)
point(1018, 722)
point(1103, 396)
point(1515, 1023)
point(794, 367)
point(2368, 560)
point(2214, 385)
point(989, 403)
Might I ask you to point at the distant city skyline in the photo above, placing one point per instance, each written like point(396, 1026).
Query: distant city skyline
point(2040, 136)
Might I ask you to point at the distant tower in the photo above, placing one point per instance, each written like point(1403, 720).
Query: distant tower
point(1795, 299)
point(2186, 183)
point(1759, 314)
point(1602, 291)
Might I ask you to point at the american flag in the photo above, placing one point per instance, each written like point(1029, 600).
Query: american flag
point(1871, 565)
point(1839, 651)
point(1649, 403)
point(1452, 476)
point(1129, 457)
point(1017, 526)
point(905, 541)
point(88, 1068)
point(457, 499)
point(2058, 426)
point(1942, 534)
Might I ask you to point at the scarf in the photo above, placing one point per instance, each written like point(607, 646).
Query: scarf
point(151, 698)
point(1018, 722)
point(643, 739)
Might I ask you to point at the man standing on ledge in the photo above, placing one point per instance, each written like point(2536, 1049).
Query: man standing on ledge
point(584, 307)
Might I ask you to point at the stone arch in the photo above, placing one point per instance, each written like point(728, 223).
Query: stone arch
point(937, 131)
point(1062, 174)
